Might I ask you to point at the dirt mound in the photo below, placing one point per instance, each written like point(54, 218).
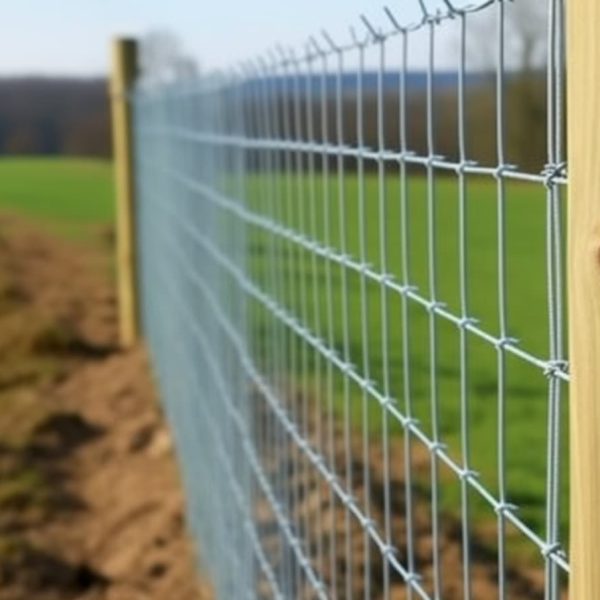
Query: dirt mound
point(90, 504)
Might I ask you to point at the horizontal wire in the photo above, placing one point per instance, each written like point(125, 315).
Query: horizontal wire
point(551, 174)
point(469, 324)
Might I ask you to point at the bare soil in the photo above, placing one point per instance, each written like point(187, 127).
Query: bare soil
point(91, 507)
point(90, 503)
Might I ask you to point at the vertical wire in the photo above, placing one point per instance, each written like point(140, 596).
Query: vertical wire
point(218, 283)
point(244, 241)
point(502, 292)
point(364, 311)
point(288, 299)
point(281, 455)
point(384, 315)
point(209, 177)
point(233, 224)
point(240, 238)
point(406, 329)
point(245, 551)
point(294, 492)
point(317, 386)
point(247, 310)
point(262, 272)
point(246, 576)
point(433, 336)
point(343, 233)
point(304, 481)
point(464, 310)
point(268, 325)
point(330, 400)
point(279, 450)
point(256, 496)
point(549, 566)
point(559, 240)
point(272, 357)
point(554, 278)
point(252, 193)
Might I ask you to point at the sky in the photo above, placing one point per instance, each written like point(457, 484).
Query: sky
point(71, 37)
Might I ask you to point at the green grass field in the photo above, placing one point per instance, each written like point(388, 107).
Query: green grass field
point(70, 194)
point(526, 403)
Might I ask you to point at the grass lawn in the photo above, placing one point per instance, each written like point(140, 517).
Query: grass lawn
point(296, 273)
point(65, 193)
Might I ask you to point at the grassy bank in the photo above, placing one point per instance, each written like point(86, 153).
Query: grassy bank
point(68, 194)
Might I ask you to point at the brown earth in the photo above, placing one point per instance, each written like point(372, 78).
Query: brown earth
point(327, 526)
point(90, 503)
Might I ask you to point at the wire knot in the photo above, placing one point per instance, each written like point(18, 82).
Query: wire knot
point(410, 422)
point(465, 322)
point(388, 402)
point(548, 549)
point(501, 169)
point(467, 474)
point(331, 478)
point(411, 578)
point(367, 522)
point(503, 342)
point(505, 507)
point(434, 306)
point(437, 447)
point(554, 368)
point(552, 172)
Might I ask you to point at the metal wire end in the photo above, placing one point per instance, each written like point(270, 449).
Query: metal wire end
point(376, 35)
point(390, 15)
point(325, 35)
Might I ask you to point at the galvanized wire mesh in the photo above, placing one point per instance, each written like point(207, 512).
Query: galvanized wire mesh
point(327, 307)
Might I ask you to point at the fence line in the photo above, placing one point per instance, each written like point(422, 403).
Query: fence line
point(332, 321)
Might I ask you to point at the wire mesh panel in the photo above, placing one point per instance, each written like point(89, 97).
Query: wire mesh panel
point(351, 274)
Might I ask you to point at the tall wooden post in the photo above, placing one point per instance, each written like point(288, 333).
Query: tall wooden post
point(124, 72)
point(583, 73)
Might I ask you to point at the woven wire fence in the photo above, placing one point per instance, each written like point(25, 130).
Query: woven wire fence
point(359, 338)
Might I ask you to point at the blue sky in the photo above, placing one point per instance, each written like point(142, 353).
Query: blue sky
point(71, 36)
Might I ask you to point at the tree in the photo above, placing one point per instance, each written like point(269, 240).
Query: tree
point(164, 59)
point(526, 90)
point(525, 36)
point(527, 31)
point(24, 140)
point(525, 95)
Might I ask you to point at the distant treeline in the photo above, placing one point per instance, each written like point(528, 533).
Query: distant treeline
point(54, 116)
point(524, 112)
point(71, 116)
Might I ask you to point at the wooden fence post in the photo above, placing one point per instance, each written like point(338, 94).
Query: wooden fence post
point(124, 72)
point(583, 73)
